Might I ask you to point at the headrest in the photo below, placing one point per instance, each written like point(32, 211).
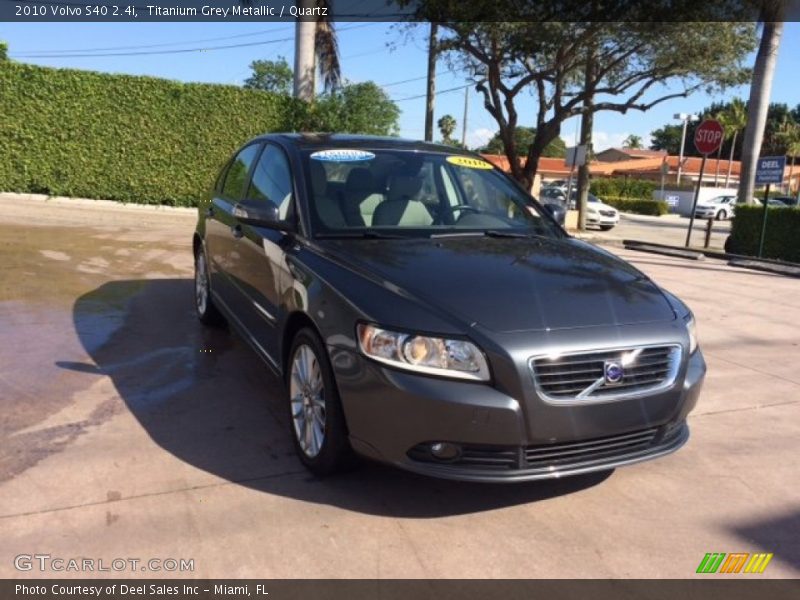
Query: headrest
point(359, 180)
point(404, 187)
point(319, 179)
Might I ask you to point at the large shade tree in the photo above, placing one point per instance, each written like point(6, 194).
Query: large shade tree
point(523, 138)
point(270, 76)
point(509, 59)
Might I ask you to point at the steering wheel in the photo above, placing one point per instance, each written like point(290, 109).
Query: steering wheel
point(452, 209)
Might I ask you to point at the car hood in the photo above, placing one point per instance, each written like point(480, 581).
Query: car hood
point(601, 206)
point(507, 285)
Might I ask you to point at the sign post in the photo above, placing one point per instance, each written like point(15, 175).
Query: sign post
point(576, 157)
point(707, 138)
point(769, 170)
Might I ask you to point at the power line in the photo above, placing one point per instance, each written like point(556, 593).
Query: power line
point(177, 51)
point(403, 81)
point(30, 53)
point(461, 87)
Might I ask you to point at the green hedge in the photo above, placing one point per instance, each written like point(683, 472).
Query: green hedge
point(622, 187)
point(639, 206)
point(782, 238)
point(135, 139)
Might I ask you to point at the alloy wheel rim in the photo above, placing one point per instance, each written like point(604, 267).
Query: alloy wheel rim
point(201, 283)
point(307, 395)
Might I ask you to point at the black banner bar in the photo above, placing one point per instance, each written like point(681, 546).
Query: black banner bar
point(387, 10)
point(711, 587)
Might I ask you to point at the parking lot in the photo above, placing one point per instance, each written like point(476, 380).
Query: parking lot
point(668, 229)
point(130, 431)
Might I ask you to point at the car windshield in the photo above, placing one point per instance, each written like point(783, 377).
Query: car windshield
point(416, 194)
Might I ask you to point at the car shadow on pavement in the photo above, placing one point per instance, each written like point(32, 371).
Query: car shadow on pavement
point(203, 396)
point(778, 535)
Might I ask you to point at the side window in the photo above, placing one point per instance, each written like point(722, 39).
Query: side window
point(236, 178)
point(272, 180)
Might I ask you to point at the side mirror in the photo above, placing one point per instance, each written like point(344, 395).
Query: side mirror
point(262, 213)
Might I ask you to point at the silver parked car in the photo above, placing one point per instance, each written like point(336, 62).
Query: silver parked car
point(719, 208)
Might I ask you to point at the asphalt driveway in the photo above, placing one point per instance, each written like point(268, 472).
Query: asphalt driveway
point(129, 431)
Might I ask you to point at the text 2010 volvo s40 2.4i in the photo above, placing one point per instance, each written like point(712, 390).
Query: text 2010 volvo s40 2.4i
point(424, 311)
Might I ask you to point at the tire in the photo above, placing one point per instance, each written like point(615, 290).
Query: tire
point(722, 215)
point(316, 419)
point(207, 312)
point(606, 227)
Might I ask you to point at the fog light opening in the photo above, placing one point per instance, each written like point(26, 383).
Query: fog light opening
point(445, 450)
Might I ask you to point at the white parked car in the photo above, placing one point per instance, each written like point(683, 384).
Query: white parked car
point(601, 214)
point(719, 208)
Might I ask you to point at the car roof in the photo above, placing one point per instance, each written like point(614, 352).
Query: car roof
point(308, 141)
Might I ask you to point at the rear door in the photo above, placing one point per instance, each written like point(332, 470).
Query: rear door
point(221, 225)
point(258, 264)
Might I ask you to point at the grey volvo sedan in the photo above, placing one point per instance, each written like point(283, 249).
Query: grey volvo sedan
point(426, 312)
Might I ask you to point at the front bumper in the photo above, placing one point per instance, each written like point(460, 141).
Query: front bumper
point(393, 416)
point(593, 219)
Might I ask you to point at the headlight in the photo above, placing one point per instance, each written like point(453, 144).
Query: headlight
point(692, 329)
point(423, 354)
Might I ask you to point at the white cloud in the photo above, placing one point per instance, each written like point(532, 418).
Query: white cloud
point(479, 137)
point(602, 140)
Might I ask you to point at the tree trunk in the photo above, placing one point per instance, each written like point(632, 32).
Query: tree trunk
point(716, 171)
point(304, 56)
point(760, 92)
point(587, 123)
point(730, 160)
point(431, 93)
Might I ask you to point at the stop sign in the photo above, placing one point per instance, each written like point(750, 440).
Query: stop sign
point(708, 136)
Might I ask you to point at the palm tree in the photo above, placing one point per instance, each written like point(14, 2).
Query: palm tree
point(447, 125)
point(315, 45)
point(771, 14)
point(734, 120)
point(632, 142)
point(789, 134)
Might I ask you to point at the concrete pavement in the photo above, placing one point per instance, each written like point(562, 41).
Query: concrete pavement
point(130, 431)
point(667, 229)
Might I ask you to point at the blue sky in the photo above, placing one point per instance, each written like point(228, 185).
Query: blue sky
point(381, 52)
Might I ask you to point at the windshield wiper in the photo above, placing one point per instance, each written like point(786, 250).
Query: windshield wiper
point(448, 234)
point(502, 233)
point(363, 235)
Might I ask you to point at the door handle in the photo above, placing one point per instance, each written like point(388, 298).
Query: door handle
point(237, 232)
point(210, 211)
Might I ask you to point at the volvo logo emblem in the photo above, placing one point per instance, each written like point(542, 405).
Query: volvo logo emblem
point(613, 371)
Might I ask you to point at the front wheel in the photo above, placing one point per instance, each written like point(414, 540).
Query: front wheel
point(722, 215)
point(316, 418)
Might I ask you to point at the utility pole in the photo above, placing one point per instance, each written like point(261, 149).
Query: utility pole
point(304, 55)
point(685, 118)
point(464, 124)
point(431, 92)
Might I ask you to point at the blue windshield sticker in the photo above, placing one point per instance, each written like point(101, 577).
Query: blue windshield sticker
point(342, 155)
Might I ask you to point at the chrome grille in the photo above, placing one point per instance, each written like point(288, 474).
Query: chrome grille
point(583, 376)
point(607, 213)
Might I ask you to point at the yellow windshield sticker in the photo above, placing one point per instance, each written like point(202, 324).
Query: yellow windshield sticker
point(470, 163)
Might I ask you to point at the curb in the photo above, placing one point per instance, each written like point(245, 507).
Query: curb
point(91, 203)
